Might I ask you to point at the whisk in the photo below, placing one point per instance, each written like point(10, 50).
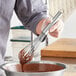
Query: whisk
point(26, 54)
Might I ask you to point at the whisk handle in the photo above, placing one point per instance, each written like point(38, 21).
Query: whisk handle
point(54, 20)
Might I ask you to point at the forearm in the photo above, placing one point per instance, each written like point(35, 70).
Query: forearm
point(31, 12)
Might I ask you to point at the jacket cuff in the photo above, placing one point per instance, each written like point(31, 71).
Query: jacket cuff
point(33, 23)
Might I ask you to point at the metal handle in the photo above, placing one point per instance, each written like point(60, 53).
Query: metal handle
point(55, 19)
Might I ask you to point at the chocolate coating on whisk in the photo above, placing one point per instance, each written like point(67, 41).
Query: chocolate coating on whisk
point(25, 58)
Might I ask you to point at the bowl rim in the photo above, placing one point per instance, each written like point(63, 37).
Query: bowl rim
point(42, 61)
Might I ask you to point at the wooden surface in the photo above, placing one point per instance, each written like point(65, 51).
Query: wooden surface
point(64, 47)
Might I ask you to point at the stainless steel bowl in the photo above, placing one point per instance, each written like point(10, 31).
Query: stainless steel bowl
point(11, 69)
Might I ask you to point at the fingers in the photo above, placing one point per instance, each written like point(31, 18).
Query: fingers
point(54, 33)
point(56, 30)
point(54, 27)
point(60, 27)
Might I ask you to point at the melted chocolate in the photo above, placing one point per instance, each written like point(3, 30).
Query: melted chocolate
point(41, 67)
point(24, 58)
point(34, 67)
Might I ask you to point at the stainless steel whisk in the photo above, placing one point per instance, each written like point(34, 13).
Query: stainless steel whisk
point(26, 54)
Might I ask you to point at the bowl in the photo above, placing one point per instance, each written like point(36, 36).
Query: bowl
point(34, 68)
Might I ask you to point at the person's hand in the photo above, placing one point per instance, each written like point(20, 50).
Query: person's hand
point(54, 31)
